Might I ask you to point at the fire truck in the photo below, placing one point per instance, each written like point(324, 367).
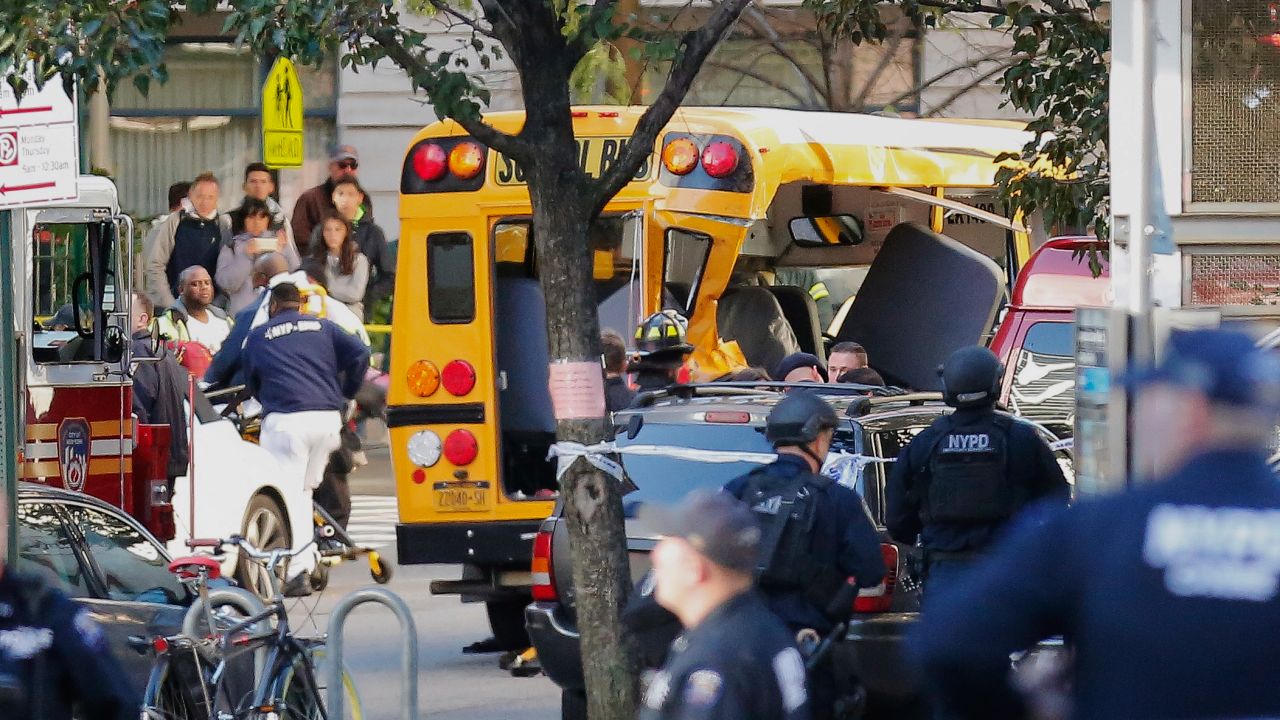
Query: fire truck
point(73, 265)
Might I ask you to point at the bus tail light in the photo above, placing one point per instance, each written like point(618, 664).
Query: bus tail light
point(466, 160)
point(680, 156)
point(461, 447)
point(720, 159)
point(430, 162)
point(544, 576)
point(459, 377)
point(880, 598)
point(423, 378)
point(424, 448)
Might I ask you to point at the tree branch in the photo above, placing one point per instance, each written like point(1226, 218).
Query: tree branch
point(586, 38)
point(452, 12)
point(504, 143)
point(916, 90)
point(748, 72)
point(696, 47)
point(888, 53)
point(946, 102)
point(761, 25)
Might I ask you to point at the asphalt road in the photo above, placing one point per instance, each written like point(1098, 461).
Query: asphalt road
point(450, 684)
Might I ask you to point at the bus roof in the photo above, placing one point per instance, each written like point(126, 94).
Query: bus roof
point(824, 148)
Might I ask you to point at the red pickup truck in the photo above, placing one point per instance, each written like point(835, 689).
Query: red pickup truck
point(1036, 338)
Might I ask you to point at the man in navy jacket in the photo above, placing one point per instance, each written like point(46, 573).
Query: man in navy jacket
point(226, 370)
point(1170, 593)
point(303, 370)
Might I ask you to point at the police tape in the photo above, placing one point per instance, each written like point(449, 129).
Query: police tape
point(845, 465)
point(1064, 444)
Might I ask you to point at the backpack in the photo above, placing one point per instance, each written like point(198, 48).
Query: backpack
point(967, 479)
point(786, 511)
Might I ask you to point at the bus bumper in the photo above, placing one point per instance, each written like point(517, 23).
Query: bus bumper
point(487, 544)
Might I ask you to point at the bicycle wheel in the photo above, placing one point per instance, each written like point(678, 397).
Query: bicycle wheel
point(301, 697)
point(174, 691)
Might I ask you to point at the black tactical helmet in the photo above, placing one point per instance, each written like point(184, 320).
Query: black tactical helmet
point(663, 332)
point(971, 378)
point(798, 419)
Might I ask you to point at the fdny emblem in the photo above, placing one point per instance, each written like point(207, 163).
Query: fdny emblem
point(73, 452)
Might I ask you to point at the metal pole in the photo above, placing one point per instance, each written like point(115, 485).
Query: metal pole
point(1142, 223)
point(1141, 347)
point(336, 701)
point(11, 394)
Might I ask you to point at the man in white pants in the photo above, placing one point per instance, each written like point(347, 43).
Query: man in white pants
point(303, 370)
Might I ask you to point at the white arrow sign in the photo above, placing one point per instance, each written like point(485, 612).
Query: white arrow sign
point(39, 146)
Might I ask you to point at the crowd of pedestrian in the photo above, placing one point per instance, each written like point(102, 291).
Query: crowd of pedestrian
point(272, 301)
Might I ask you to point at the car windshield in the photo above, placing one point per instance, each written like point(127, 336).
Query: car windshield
point(665, 480)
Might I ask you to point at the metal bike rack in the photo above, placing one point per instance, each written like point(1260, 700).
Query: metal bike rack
point(408, 650)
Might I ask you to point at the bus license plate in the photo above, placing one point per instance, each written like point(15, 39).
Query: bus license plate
point(461, 496)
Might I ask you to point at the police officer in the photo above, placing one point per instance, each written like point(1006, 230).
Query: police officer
point(303, 370)
point(816, 533)
point(958, 482)
point(53, 656)
point(735, 659)
point(1170, 593)
point(661, 345)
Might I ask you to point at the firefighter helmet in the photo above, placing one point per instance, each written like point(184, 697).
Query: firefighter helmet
point(663, 332)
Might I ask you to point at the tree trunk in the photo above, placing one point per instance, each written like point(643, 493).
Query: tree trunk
point(592, 499)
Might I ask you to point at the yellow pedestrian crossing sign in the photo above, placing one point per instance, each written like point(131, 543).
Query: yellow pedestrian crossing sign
point(282, 128)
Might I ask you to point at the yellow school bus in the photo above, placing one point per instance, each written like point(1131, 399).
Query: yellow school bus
point(773, 221)
point(469, 412)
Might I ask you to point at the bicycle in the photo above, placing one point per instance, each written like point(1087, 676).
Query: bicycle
point(179, 687)
point(283, 686)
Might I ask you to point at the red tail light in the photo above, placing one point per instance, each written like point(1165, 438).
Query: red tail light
point(880, 597)
point(720, 159)
point(544, 577)
point(160, 645)
point(458, 377)
point(461, 447)
point(430, 162)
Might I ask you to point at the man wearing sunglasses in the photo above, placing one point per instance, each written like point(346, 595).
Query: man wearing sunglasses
point(315, 203)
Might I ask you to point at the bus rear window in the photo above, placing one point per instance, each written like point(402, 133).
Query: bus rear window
point(451, 278)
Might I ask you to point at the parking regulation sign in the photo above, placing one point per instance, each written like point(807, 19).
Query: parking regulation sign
point(39, 146)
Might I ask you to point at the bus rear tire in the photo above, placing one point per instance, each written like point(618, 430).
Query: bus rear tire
point(506, 619)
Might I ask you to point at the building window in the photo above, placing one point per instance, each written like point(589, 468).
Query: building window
point(206, 117)
point(1235, 96)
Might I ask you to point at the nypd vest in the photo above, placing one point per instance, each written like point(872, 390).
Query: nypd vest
point(968, 478)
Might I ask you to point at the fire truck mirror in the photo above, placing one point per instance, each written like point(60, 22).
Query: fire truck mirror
point(113, 350)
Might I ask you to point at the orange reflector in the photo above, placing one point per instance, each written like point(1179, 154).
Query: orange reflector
point(680, 156)
point(466, 160)
point(423, 378)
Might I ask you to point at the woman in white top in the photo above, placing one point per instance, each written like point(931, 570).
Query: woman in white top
point(346, 268)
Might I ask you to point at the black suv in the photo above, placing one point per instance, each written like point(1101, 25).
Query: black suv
point(729, 417)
